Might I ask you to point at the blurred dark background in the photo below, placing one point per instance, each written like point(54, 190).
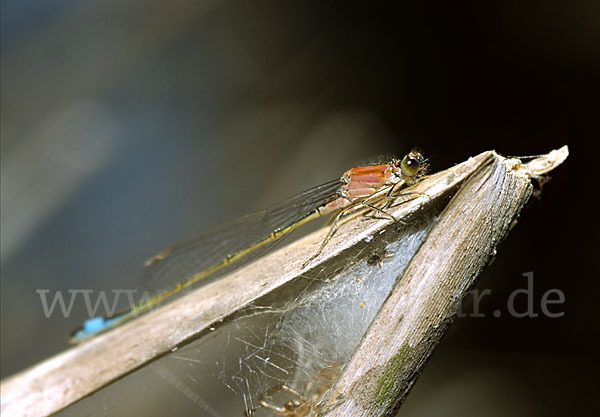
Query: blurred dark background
point(127, 126)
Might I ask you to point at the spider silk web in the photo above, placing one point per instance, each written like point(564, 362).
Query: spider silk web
point(292, 338)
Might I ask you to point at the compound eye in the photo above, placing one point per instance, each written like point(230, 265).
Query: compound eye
point(410, 166)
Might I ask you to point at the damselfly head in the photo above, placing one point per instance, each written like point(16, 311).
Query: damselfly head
point(412, 166)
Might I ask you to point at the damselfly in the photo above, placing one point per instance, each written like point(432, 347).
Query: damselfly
point(220, 249)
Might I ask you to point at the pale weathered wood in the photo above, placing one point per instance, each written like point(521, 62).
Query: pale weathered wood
point(426, 298)
point(82, 370)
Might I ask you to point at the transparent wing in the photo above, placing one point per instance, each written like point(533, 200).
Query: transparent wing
point(184, 260)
